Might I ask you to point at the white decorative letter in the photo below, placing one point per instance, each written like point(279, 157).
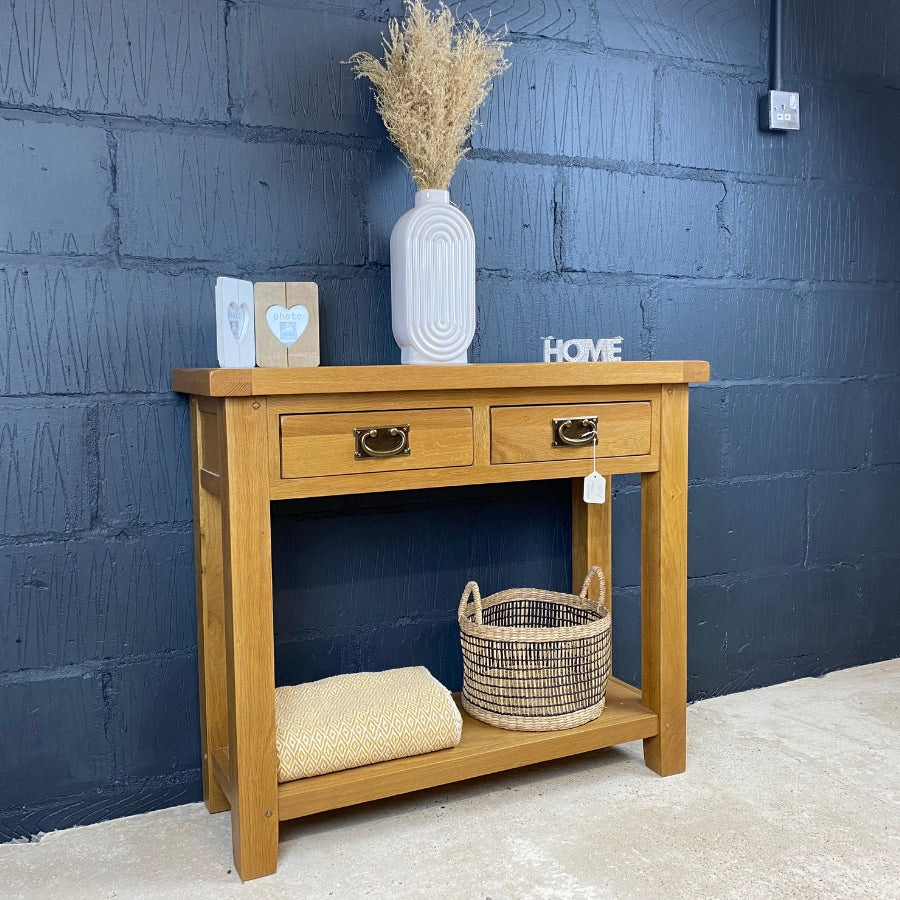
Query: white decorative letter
point(552, 347)
point(610, 349)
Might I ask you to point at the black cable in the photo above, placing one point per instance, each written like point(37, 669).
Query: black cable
point(775, 46)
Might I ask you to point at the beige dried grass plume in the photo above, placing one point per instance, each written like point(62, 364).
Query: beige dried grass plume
point(436, 73)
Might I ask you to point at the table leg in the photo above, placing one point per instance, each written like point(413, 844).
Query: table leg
point(591, 538)
point(664, 587)
point(210, 609)
point(250, 643)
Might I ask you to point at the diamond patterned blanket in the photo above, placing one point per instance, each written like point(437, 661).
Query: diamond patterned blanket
point(362, 718)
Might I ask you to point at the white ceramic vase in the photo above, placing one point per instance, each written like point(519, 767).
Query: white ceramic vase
point(433, 282)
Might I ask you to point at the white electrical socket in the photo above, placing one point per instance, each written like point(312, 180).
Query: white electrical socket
point(780, 111)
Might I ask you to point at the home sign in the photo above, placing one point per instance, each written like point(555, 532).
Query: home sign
point(582, 350)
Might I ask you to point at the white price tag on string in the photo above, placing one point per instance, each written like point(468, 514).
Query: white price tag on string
point(595, 488)
point(595, 483)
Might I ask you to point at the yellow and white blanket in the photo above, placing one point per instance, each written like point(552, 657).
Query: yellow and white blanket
point(366, 717)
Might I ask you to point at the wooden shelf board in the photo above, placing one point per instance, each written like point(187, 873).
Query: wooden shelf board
point(483, 750)
point(369, 379)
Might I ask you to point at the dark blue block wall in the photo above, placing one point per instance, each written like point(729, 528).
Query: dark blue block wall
point(619, 185)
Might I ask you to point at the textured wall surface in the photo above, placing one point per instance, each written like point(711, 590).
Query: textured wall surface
point(619, 186)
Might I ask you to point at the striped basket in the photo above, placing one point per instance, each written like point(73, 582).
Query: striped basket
point(535, 660)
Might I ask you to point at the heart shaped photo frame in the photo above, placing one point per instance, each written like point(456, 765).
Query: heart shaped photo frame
point(235, 324)
point(287, 323)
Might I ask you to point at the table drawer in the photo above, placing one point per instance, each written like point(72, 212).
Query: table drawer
point(527, 433)
point(344, 444)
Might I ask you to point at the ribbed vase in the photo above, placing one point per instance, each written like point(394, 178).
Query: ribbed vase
point(433, 282)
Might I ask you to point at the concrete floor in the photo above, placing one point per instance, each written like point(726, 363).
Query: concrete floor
point(792, 791)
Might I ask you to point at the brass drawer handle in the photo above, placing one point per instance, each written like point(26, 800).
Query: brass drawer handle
point(364, 450)
point(587, 437)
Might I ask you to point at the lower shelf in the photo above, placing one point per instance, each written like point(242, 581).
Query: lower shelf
point(482, 751)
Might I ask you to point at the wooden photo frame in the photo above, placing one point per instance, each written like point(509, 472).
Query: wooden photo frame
point(287, 323)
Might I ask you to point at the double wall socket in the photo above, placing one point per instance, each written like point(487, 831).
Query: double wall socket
point(779, 111)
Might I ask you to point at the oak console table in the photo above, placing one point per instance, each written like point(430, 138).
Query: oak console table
point(269, 434)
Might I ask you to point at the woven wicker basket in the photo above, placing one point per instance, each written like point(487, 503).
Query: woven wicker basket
point(535, 660)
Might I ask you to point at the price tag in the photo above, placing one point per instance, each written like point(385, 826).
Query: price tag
point(595, 483)
point(595, 488)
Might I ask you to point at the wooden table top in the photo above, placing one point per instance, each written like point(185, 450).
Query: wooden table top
point(371, 379)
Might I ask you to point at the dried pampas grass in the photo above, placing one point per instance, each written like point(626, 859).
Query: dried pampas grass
point(436, 73)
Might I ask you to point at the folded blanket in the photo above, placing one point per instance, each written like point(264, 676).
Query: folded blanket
point(367, 717)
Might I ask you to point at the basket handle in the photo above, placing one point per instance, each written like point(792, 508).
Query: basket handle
point(470, 591)
point(601, 580)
